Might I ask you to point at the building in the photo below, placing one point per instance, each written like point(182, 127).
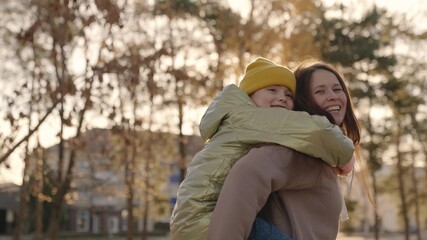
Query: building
point(97, 200)
point(9, 205)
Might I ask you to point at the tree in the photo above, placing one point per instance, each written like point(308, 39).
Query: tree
point(61, 24)
point(185, 56)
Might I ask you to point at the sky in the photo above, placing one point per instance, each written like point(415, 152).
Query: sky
point(414, 9)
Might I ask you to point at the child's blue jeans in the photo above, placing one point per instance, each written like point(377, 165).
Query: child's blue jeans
point(264, 230)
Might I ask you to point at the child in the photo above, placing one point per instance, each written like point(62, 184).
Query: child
point(236, 120)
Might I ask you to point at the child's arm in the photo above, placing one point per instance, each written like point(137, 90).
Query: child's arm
point(345, 169)
point(312, 135)
point(248, 124)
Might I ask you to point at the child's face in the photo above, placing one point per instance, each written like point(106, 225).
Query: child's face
point(273, 96)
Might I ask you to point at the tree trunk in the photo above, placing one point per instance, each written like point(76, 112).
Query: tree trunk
point(146, 207)
point(181, 144)
point(61, 184)
point(373, 175)
point(38, 235)
point(400, 173)
point(130, 184)
point(147, 186)
point(179, 92)
point(144, 234)
point(181, 141)
point(420, 139)
point(64, 186)
point(21, 226)
point(416, 196)
point(376, 217)
point(58, 200)
point(23, 196)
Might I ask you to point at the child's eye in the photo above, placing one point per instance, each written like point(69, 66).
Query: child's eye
point(319, 91)
point(337, 89)
point(271, 89)
point(290, 96)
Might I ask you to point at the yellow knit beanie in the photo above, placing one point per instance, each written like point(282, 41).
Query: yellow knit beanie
point(263, 73)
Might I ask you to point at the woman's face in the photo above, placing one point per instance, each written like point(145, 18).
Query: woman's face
point(328, 93)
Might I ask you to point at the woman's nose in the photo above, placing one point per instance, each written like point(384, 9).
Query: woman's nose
point(332, 95)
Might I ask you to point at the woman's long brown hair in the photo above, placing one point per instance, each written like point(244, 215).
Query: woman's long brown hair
point(304, 101)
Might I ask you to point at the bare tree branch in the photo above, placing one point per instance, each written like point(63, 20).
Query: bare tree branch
point(30, 133)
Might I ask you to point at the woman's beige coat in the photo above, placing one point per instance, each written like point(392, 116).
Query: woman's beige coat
point(231, 125)
point(299, 194)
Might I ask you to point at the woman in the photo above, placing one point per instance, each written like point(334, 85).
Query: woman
point(258, 111)
point(306, 200)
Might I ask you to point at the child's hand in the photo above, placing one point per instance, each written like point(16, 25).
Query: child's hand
point(346, 169)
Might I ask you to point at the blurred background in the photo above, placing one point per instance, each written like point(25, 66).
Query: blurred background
point(101, 100)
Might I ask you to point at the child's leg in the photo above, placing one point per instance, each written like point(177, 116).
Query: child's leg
point(263, 230)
